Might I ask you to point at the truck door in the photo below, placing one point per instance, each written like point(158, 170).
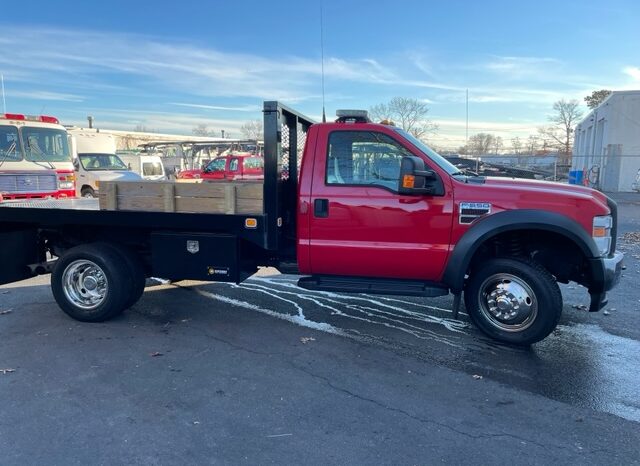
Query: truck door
point(216, 169)
point(359, 225)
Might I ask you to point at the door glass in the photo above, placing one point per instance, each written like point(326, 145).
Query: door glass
point(233, 165)
point(217, 165)
point(364, 158)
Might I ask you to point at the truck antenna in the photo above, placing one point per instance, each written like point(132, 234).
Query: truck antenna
point(4, 102)
point(324, 117)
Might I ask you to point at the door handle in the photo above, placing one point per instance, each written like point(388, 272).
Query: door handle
point(410, 200)
point(321, 208)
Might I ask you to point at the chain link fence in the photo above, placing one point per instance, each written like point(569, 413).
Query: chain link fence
point(612, 173)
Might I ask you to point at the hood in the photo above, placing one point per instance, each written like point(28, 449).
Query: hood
point(189, 174)
point(117, 175)
point(547, 187)
point(577, 202)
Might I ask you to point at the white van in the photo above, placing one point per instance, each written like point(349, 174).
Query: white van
point(149, 167)
point(96, 160)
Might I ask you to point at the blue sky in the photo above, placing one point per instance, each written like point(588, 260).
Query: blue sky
point(171, 66)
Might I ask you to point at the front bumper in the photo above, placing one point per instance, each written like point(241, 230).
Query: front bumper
point(606, 272)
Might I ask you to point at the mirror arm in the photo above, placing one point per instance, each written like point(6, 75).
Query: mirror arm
point(428, 174)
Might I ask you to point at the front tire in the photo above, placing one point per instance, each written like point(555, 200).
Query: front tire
point(513, 301)
point(90, 283)
point(88, 192)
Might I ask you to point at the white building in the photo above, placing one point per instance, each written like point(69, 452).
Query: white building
point(606, 151)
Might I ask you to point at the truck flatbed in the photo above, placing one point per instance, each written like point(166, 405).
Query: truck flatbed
point(80, 213)
point(79, 203)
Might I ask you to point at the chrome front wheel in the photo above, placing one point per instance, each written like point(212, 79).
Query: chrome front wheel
point(507, 302)
point(513, 300)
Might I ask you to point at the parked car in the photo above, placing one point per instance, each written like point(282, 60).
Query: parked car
point(236, 167)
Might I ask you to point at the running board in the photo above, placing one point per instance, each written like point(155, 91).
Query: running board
point(373, 286)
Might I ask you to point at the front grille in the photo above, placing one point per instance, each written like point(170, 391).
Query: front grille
point(28, 183)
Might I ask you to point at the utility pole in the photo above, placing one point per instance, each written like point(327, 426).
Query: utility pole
point(466, 137)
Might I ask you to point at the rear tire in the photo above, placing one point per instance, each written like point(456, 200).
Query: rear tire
point(91, 282)
point(137, 274)
point(513, 301)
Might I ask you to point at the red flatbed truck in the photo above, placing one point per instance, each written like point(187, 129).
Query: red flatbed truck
point(364, 208)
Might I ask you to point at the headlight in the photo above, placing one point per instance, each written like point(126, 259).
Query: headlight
point(601, 233)
point(65, 185)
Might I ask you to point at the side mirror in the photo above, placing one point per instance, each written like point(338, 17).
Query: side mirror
point(76, 164)
point(416, 179)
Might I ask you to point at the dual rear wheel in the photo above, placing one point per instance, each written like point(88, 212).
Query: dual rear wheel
point(95, 282)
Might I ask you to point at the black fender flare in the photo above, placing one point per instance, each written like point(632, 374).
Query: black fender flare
point(511, 220)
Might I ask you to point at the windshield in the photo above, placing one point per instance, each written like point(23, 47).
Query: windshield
point(9, 144)
point(433, 155)
point(45, 144)
point(94, 162)
point(151, 169)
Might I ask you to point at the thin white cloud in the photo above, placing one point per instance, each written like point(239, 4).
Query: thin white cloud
point(44, 95)
point(164, 122)
point(178, 67)
point(245, 108)
point(522, 66)
point(632, 71)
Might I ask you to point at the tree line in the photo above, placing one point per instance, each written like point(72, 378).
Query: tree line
point(411, 115)
point(556, 136)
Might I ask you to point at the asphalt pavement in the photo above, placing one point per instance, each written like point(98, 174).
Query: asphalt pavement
point(267, 373)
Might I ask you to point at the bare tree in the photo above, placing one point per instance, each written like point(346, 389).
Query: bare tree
point(252, 130)
point(140, 128)
point(497, 144)
point(409, 114)
point(482, 143)
point(532, 144)
point(596, 98)
point(560, 131)
point(201, 130)
point(516, 145)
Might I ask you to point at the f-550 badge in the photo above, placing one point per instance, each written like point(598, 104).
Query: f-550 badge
point(470, 211)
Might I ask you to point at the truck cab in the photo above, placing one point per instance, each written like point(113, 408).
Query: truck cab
point(35, 160)
point(233, 167)
point(378, 208)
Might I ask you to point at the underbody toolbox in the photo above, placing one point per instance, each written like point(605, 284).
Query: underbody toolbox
point(197, 256)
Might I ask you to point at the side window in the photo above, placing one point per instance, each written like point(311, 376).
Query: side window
point(364, 158)
point(217, 165)
point(233, 165)
point(9, 143)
